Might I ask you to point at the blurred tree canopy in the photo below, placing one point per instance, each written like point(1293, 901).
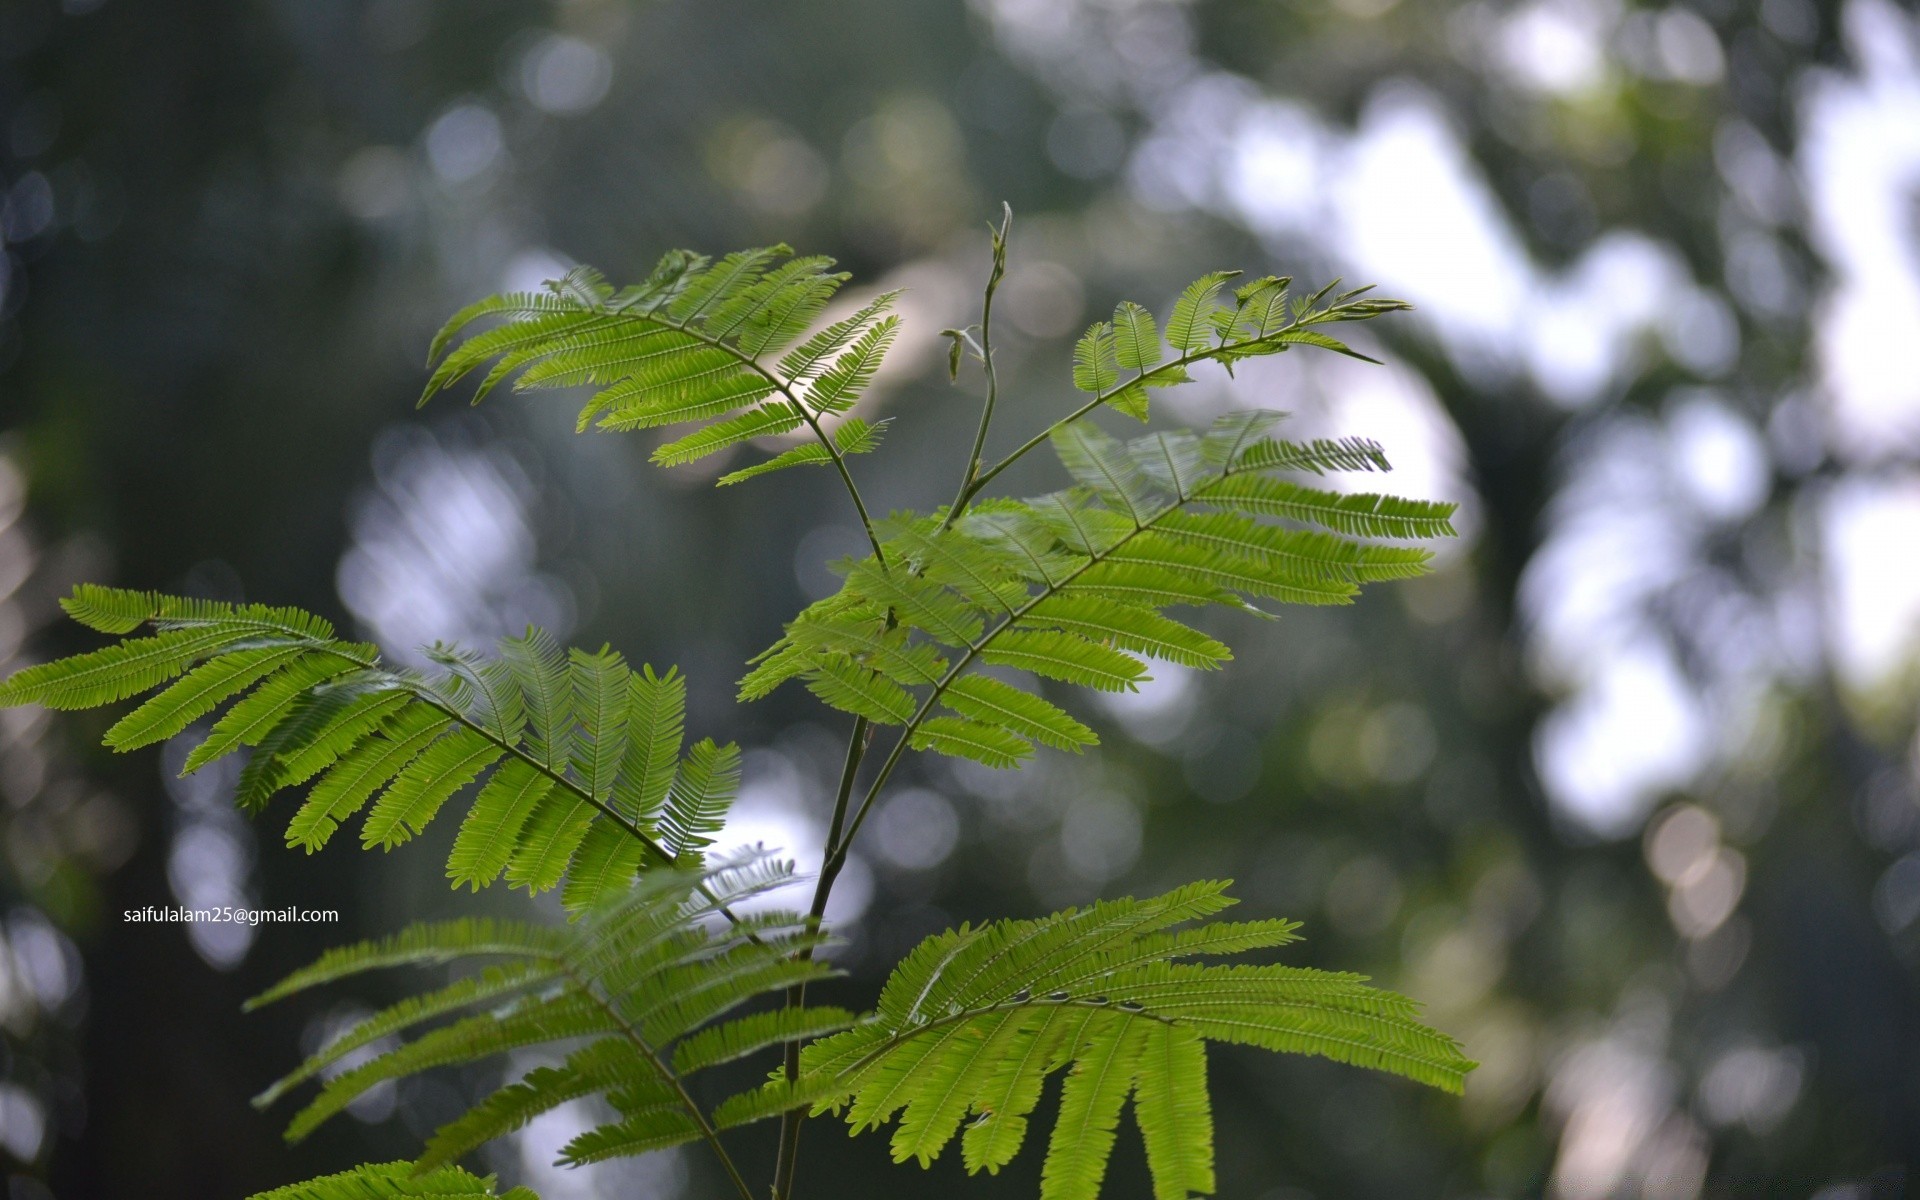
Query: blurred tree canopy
point(1626, 793)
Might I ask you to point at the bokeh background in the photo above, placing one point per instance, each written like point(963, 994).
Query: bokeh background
point(1626, 792)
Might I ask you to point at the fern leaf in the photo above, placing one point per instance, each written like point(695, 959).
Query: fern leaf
point(606, 862)
point(491, 830)
point(1066, 657)
point(739, 1038)
point(993, 702)
point(537, 665)
point(1102, 464)
point(392, 1181)
point(889, 652)
point(535, 1022)
point(1136, 337)
point(1090, 1103)
point(846, 685)
point(853, 436)
point(115, 673)
point(654, 1129)
point(548, 840)
point(1356, 514)
point(656, 725)
point(198, 693)
point(1095, 367)
point(1174, 1111)
point(488, 986)
point(1127, 627)
point(932, 610)
point(841, 384)
point(256, 714)
point(1189, 324)
point(417, 945)
point(963, 738)
point(813, 355)
point(703, 791)
point(1319, 456)
point(600, 706)
point(975, 1019)
point(769, 420)
point(424, 785)
point(594, 1067)
point(359, 774)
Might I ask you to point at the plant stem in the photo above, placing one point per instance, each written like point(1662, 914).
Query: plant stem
point(986, 359)
point(788, 1158)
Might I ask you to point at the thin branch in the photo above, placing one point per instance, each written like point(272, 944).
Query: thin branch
point(787, 1160)
point(1143, 379)
point(986, 360)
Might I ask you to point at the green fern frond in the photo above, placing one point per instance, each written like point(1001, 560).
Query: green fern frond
point(554, 743)
point(690, 345)
point(853, 436)
point(393, 1181)
point(973, 1021)
point(644, 977)
point(704, 789)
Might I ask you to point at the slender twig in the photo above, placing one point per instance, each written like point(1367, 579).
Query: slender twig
point(788, 1158)
point(986, 360)
point(973, 651)
point(1145, 378)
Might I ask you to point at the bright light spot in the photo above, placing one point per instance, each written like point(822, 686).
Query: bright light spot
point(1688, 47)
point(1860, 164)
point(1555, 45)
point(443, 547)
point(661, 1174)
point(1681, 843)
point(916, 829)
point(1274, 167)
point(772, 812)
point(1873, 591)
point(1705, 897)
point(23, 1122)
point(1414, 214)
point(1160, 709)
point(1633, 732)
point(564, 75)
point(1753, 1086)
point(464, 142)
point(48, 963)
point(1720, 459)
point(1896, 897)
point(208, 867)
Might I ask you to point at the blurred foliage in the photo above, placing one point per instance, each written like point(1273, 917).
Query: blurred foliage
point(231, 229)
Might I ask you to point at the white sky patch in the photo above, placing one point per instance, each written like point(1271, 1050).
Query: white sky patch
point(1401, 202)
point(1869, 529)
point(772, 812)
point(444, 547)
point(1556, 46)
point(1414, 214)
point(1634, 731)
point(1860, 167)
